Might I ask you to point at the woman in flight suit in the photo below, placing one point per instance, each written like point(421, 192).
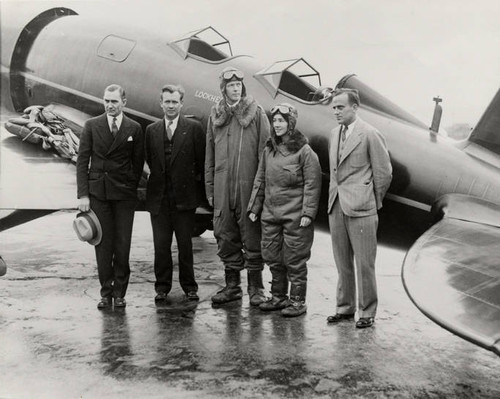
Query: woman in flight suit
point(286, 195)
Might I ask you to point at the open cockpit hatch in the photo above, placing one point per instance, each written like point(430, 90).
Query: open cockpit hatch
point(203, 44)
point(296, 78)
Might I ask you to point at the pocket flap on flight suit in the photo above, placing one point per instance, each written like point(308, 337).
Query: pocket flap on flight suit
point(293, 168)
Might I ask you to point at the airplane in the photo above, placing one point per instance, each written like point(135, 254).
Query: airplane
point(64, 60)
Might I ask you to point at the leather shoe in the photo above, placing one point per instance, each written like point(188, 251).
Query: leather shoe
point(104, 303)
point(365, 322)
point(160, 297)
point(192, 296)
point(338, 317)
point(120, 303)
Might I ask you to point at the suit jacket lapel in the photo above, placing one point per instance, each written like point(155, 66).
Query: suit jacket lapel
point(351, 143)
point(158, 140)
point(104, 132)
point(122, 134)
point(334, 146)
point(179, 137)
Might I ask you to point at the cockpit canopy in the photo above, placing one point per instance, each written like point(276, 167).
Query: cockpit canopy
point(203, 44)
point(294, 77)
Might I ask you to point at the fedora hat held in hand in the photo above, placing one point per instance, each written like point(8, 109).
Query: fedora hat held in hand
point(87, 227)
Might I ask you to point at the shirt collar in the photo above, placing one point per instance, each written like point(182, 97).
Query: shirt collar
point(119, 120)
point(350, 128)
point(173, 126)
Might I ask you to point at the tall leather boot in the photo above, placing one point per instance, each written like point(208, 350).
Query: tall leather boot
point(297, 303)
point(279, 289)
point(232, 290)
point(255, 287)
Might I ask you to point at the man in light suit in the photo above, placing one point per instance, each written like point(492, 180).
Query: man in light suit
point(175, 154)
point(360, 174)
point(108, 169)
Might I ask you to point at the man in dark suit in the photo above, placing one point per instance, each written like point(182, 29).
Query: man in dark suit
point(108, 169)
point(175, 154)
point(360, 174)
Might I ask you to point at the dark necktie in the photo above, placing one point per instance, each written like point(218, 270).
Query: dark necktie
point(169, 131)
point(114, 127)
point(343, 130)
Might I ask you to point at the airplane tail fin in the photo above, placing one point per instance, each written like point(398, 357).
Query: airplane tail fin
point(487, 131)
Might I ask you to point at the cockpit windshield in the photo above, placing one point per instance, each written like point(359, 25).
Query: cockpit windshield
point(295, 78)
point(205, 44)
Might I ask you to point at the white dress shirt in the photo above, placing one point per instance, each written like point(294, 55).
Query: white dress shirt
point(119, 120)
point(173, 126)
point(350, 128)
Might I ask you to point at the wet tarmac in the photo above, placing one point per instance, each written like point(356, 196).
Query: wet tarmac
point(54, 343)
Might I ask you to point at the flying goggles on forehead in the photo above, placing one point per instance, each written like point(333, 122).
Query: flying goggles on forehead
point(228, 75)
point(282, 109)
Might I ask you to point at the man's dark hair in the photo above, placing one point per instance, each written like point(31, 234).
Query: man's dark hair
point(352, 95)
point(173, 89)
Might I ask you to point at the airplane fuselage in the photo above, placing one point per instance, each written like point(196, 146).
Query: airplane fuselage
point(61, 58)
point(71, 59)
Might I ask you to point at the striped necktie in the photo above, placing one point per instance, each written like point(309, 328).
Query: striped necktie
point(343, 129)
point(114, 127)
point(169, 130)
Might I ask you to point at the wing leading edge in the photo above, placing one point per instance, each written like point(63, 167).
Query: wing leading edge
point(452, 274)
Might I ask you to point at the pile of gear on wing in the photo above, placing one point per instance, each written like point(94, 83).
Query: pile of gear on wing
point(40, 125)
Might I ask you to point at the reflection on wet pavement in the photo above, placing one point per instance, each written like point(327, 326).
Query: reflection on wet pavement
point(56, 344)
point(115, 342)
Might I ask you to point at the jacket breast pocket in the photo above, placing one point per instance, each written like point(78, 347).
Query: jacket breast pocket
point(358, 159)
point(129, 145)
point(293, 174)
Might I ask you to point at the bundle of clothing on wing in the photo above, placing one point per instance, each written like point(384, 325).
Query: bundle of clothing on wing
point(40, 125)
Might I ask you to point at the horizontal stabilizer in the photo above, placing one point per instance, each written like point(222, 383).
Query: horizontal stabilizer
point(452, 274)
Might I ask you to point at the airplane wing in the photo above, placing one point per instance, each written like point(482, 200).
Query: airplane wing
point(32, 178)
point(452, 272)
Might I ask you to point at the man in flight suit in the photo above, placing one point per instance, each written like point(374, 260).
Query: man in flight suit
point(236, 135)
